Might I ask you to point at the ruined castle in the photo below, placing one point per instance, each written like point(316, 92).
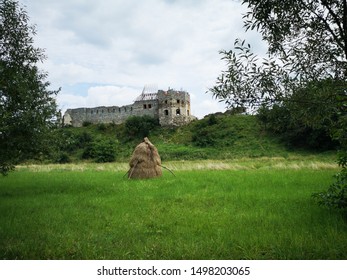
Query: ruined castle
point(171, 107)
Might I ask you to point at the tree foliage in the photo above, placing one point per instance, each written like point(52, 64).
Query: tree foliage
point(137, 127)
point(27, 107)
point(307, 42)
point(306, 119)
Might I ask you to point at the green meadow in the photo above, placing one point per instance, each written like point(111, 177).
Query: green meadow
point(234, 209)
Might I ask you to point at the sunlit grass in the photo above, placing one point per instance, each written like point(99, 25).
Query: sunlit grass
point(261, 209)
point(280, 163)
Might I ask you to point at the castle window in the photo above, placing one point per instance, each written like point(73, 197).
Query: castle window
point(178, 112)
point(188, 112)
point(149, 106)
point(119, 110)
point(125, 109)
point(97, 111)
point(144, 106)
point(178, 101)
point(114, 110)
point(166, 112)
point(131, 109)
point(165, 101)
point(91, 112)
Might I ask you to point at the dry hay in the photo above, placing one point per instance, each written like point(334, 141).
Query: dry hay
point(145, 161)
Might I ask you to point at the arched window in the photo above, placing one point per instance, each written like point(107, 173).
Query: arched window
point(178, 112)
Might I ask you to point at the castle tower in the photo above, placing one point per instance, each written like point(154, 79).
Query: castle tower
point(174, 107)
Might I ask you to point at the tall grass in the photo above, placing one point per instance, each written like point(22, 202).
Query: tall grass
point(199, 214)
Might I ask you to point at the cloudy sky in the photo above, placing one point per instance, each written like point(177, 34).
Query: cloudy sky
point(104, 52)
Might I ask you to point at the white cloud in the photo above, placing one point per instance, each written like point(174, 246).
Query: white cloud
point(101, 95)
point(173, 43)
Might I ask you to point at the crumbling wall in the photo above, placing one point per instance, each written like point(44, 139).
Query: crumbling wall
point(174, 108)
point(171, 107)
point(110, 114)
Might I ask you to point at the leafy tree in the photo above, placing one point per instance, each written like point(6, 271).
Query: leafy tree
point(27, 107)
point(139, 127)
point(101, 150)
point(304, 119)
point(307, 44)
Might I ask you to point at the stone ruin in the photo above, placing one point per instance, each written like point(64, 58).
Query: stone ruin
point(171, 107)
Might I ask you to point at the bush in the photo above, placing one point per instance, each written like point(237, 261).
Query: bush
point(140, 127)
point(336, 195)
point(101, 150)
point(306, 118)
point(86, 123)
point(203, 138)
point(62, 157)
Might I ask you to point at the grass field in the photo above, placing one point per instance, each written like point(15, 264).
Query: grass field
point(241, 209)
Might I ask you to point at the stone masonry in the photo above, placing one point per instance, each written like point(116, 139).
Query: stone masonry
point(171, 107)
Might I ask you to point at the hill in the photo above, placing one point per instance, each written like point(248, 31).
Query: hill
point(217, 136)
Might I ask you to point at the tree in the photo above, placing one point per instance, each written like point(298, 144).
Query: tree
point(137, 127)
point(304, 119)
point(27, 108)
point(307, 42)
point(307, 45)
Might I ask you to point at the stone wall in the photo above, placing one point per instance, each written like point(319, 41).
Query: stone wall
point(174, 108)
point(171, 107)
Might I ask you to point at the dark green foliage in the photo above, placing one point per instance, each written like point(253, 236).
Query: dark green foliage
point(204, 133)
point(102, 127)
point(140, 127)
point(86, 123)
point(62, 157)
point(307, 118)
point(105, 150)
point(203, 138)
point(101, 150)
point(27, 108)
point(336, 195)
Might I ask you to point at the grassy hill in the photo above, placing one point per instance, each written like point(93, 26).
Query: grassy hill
point(219, 136)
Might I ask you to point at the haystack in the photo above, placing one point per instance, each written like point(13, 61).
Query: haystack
point(145, 161)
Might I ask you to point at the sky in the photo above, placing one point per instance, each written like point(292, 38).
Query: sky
point(104, 52)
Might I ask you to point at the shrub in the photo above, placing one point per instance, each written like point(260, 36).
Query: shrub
point(86, 123)
point(336, 195)
point(101, 150)
point(307, 117)
point(62, 157)
point(203, 138)
point(102, 127)
point(140, 127)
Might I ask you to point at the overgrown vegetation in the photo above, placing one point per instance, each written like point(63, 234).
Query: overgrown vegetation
point(307, 118)
point(218, 136)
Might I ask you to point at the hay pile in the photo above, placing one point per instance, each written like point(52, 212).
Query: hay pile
point(145, 161)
